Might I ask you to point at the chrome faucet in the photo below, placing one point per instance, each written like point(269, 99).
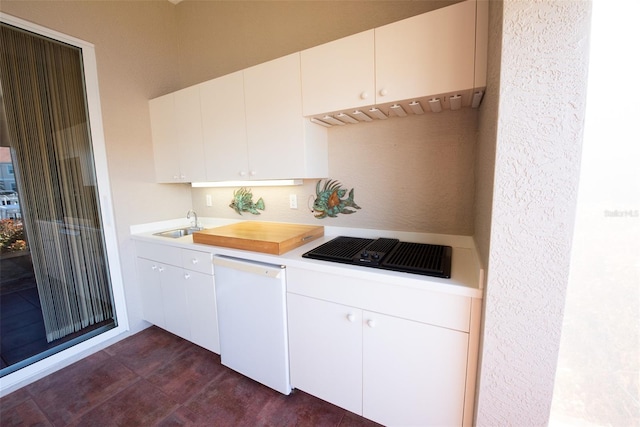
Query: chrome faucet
point(195, 216)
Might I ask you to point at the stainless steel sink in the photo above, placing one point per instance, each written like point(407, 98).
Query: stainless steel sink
point(179, 232)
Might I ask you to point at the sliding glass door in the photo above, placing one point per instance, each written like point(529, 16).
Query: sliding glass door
point(48, 132)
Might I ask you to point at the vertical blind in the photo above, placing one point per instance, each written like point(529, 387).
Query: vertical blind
point(45, 105)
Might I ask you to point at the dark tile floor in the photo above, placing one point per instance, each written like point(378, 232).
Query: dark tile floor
point(154, 378)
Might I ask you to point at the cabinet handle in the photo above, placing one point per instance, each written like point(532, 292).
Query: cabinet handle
point(242, 173)
point(160, 269)
point(154, 267)
point(364, 95)
point(194, 261)
point(383, 92)
point(187, 275)
point(351, 317)
point(253, 173)
point(371, 323)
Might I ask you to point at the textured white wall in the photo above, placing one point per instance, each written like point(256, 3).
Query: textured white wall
point(539, 134)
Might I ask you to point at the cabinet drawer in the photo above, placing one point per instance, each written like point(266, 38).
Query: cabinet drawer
point(435, 308)
point(158, 252)
point(197, 261)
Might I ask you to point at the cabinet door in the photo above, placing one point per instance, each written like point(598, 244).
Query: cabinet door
point(338, 75)
point(224, 128)
point(427, 54)
point(151, 292)
point(163, 134)
point(202, 314)
point(174, 300)
point(188, 140)
point(274, 119)
point(413, 373)
point(325, 347)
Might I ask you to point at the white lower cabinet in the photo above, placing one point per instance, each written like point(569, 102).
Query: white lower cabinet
point(325, 349)
point(395, 354)
point(202, 314)
point(178, 292)
point(151, 291)
point(384, 367)
point(174, 300)
point(413, 373)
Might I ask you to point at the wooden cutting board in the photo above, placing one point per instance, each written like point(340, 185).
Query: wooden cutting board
point(268, 237)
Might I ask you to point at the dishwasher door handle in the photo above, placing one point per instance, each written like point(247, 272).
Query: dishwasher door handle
point(247, 266)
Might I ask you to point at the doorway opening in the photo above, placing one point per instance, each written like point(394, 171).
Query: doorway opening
point(598, 374)
point(54, 273)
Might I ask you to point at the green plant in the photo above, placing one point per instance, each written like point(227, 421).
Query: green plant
point(11, 236)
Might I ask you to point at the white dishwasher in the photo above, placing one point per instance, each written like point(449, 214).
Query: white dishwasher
point(252, 320)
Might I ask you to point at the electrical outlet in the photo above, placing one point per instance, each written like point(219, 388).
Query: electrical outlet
point(293, 201)
point(209, 201)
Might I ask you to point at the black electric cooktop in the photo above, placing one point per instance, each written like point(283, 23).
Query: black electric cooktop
point(388, 254)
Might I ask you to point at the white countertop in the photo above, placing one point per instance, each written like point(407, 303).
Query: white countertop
point(466, 271)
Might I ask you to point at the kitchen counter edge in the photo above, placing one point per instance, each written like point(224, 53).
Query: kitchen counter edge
point(466, 276)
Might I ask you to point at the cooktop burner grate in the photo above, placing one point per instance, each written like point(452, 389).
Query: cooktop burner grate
point(382, 245)
point(388, 254)
point(340, 249)
point(420, 258)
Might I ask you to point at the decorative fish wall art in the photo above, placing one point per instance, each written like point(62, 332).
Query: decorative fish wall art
point(330, 200)
point(243, 202)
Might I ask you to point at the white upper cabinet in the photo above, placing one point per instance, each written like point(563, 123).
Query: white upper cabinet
point(250, 125)
point(189, 130)
point(428, 54)
point(224, 128)
point(176, 131)
point(441, 53)
point(245, 125)
point(339, 73)
point(281, 144)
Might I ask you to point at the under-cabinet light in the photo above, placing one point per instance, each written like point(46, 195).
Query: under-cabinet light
point(416, 107)
point(320, 122)
point(332, 120)
point(477, 97)
point(256, 183)
point(435, 105)
point(345, 118)
point(360, 116)
point(398, 110)
point(377, 113)
point(455, 102)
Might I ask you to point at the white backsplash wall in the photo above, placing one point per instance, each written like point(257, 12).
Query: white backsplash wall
point(409, 174)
